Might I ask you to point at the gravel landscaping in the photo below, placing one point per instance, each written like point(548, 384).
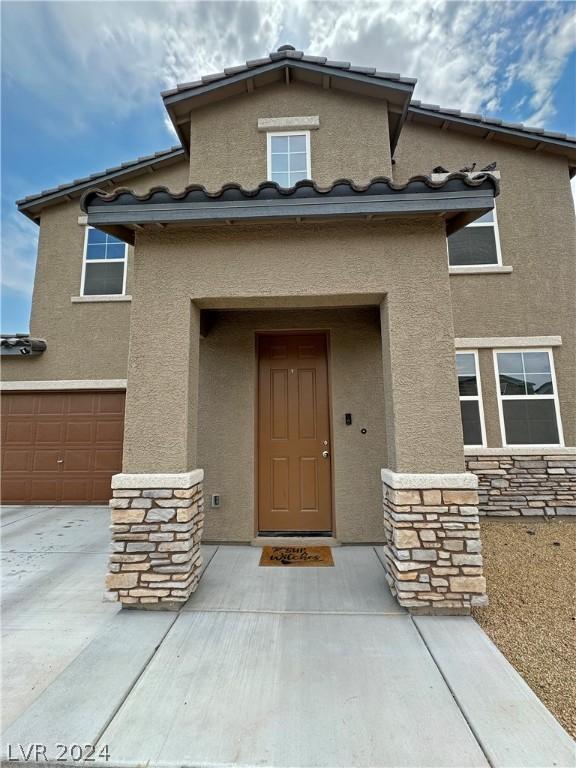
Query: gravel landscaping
point(530, 568)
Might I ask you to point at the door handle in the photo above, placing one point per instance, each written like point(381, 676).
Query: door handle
point(325, 454)
point(59, 461)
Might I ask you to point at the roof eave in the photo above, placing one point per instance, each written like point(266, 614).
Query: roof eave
point(530, 137)
point(401, 90)
point(31, 206)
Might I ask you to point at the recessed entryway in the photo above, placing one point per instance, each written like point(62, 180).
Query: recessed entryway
point(293, 428)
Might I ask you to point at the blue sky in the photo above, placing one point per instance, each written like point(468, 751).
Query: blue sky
point(81, 80)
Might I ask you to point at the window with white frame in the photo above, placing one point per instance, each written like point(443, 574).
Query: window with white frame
point(104, 264)
point(478, 244)
point(289, 157)
point(471, 408)
point(527, 397)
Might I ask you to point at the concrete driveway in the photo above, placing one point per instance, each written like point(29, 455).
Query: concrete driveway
point(262, 667)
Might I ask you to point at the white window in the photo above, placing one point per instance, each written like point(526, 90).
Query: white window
point(527, 397)
point(103, 265)
point(478, 244)
point(471, 407)
point(289, 157)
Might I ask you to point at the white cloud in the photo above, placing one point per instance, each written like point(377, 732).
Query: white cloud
point(550, 40)
point(118, 55)
point(19, 246)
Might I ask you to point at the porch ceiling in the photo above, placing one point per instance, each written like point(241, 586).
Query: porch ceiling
point(459, 197)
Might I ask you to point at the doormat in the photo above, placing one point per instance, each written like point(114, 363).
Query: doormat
point(297, 556)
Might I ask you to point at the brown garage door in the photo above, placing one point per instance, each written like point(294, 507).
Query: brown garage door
point(60, 447)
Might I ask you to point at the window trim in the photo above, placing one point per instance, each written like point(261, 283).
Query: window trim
point(270, 134)
point(101, 261)
point(498, 265)
point(479, 398)
point(554, 397)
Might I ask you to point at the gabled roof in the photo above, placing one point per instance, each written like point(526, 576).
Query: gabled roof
point(32, 204)
point(289, 63)
point(492, 128)
point(286, 65)
point(458, 197)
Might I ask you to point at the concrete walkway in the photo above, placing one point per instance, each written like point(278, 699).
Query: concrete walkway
point(262, 667)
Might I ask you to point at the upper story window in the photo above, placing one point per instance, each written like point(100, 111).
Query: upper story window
point(470, 391)
point(528, 398)
point(289, 157)
point(478, 244)
point(104, 264)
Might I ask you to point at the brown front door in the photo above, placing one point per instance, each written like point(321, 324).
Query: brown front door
point(60, 447)
point(294, 494)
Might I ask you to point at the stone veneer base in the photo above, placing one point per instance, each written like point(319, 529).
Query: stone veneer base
point(156, 528)
point(525, 485)
point(433, 549)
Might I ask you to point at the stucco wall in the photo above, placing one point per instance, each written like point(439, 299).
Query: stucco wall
point(352, 140)
point(88, 340)
point(538, 238)
point(226, 435)
point(227, 265)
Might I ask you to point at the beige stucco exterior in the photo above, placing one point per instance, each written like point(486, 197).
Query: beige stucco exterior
point(352, 141)
point(85, 340)
point(226, 434)
point(536, 223)
point(236, 264)
point(381, 289)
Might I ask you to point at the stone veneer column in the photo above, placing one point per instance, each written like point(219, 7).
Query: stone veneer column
point(433, 550)
point(157, 523)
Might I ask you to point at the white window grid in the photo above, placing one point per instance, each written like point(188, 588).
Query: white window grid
point(494, 224)
point(478, 398)
point(553, 397)
point(269, 136)
point(124, 261)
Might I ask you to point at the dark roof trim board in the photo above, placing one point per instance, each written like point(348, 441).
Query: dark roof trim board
point(31, 204)
point(463, 197)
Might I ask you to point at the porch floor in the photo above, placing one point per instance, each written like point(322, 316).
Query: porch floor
point(263, 666)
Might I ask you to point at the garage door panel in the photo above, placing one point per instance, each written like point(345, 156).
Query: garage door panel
point(109, 432)
point(51, 404)
point(46, 460)
point(76, 489)
point(82, 404)
point(78, 460)
point(18, 431)
point(107, 459)
point(49, 431)
point(82, 429)
point(101, 488)
point(23, 405)
point(14, 460)
point(81, 432)
point(43, 490)
point(112, 404)
point(18, 491)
